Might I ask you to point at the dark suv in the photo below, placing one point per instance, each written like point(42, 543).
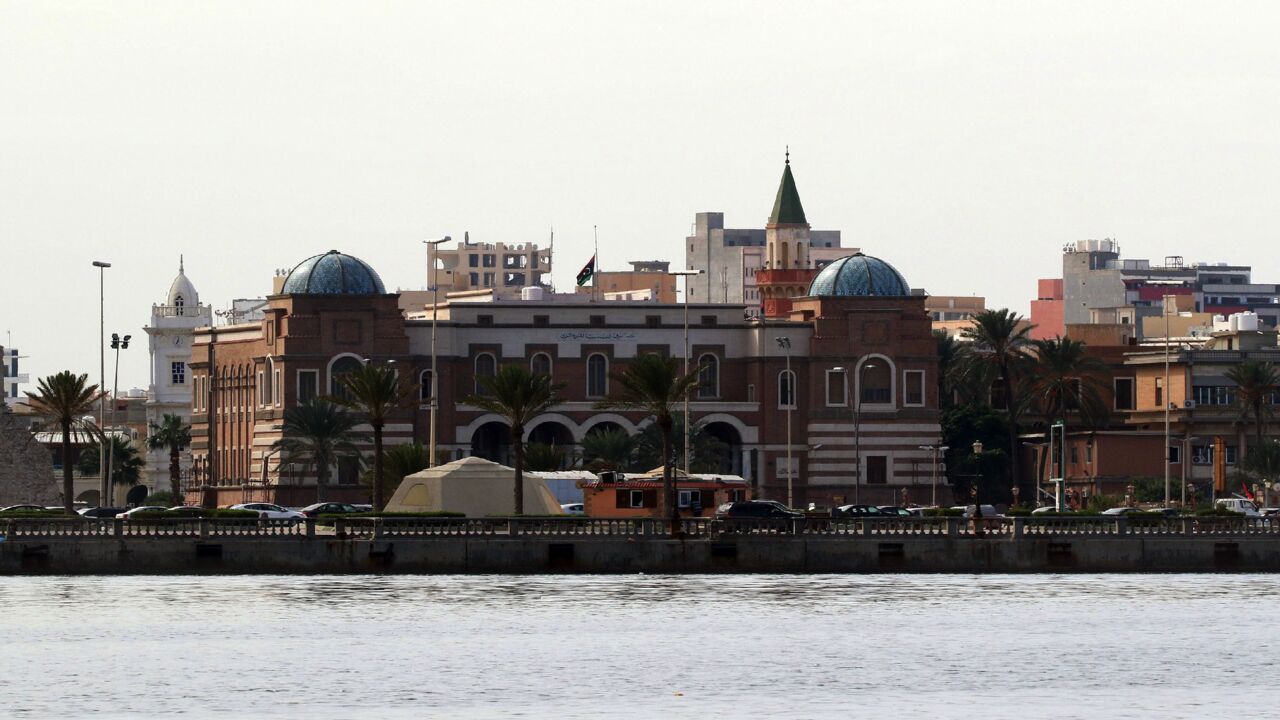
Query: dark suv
point(756, 510)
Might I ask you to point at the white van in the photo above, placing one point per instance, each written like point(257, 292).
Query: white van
point(1240, 505)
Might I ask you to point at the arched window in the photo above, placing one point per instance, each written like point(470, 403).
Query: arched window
point(597, 376)
point(876, 381)
point(179, 303)
point(708, 376)
point(540, 364)
point(425, 388)
point(486, 367)
point(338, 369)
point(787, 389)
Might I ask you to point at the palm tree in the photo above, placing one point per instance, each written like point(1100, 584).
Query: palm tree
point(64, 400)
point(1066, 380)
point(608, 449)
point(998, 354)
point(519, 396)
point(544, 456)
point(171, 433)
point(706, 451)
point(125, 461)
point(374, 392)
point(949, 359)
point(1256, 381)
point(318, 433)
point(399, 461)
point(653, 384)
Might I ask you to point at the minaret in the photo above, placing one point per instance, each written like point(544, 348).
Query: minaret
point(787, 233)
point(788, 269)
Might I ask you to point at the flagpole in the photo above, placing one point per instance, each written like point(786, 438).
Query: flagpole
point(595, 272)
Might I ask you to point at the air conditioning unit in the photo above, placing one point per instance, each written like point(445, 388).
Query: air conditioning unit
point(608, 476)
point(1190, 405)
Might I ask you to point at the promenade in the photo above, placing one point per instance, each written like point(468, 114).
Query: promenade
point(586, 545)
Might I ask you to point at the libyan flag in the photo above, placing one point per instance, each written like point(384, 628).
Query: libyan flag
point(587, 272)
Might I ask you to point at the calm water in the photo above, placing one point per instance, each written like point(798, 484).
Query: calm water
point(640, 646)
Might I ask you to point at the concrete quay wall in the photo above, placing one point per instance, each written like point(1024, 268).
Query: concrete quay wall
point(738, 554)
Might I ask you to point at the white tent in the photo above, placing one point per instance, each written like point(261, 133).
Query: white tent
point(473, 486)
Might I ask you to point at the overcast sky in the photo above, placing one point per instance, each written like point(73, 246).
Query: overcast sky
point(962, 142)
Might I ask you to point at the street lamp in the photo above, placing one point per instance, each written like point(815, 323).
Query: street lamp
point(686, 274)
point(973, 491)
point(855, 387)
point(784, 342)
point(117, 343)
point(104, 486)
point(936, 450)
point(434, 286)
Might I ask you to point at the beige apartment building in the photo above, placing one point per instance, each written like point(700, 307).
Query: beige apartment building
point(499, 267)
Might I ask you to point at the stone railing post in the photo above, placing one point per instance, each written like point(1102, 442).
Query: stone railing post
point(339, 527)
point(377, 528)
point(866, 527)
point(9, 527)
point(953, 526)
point(1187, 525)
point(1122, 525)
point(1018, 524)
point(311, 527)
point(512, 526)
point(117, 527)
point(203, 525)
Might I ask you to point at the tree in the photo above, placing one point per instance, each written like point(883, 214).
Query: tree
point(653, 384)
point(1262, 462)
point(705, 449)
point(608, 449)
point(949, 359)
point(64, 400)
point(126, 462)
point(962, 424)
point(1066, 381)
point(519, 396)
point(544, 456)
point(1256, 382)
point(172, 433)
point(318, 432)
point(997, 354)
point(398, 462)
point(375, 393)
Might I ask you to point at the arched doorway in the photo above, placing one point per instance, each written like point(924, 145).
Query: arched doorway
point(728, 449)
point(555, 435)
point(137, 494)
point(492, 441)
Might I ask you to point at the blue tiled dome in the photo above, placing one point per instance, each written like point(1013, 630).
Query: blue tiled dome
point(859, 275)
point(333, 274)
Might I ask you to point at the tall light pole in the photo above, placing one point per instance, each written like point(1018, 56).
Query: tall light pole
point(686, 274)
point(435, 310)
point(784, 342)
point(117, 343)
point(855, 388)
point(105, 486)
point(936, 450)
point(1165, 397)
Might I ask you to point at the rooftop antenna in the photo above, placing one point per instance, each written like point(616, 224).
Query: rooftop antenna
point(551, 258)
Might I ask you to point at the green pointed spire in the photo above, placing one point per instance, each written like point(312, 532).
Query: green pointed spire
point(787, 209)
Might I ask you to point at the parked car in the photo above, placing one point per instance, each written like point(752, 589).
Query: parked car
point(988, 511)
point(1240, 505)
point(1050, 509)
point(315, 510)
point(101, 513)
point(270, 511)
point(141, 508)
point(24, 508)
point(573, 509)
point(895, 511)
point(857, 511)
point(1121, 511)
point(185, 511)
point(756, 510)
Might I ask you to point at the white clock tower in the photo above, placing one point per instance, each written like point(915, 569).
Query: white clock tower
point(169, 342)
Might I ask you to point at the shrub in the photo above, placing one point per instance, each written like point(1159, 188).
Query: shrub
point(944, 512)
point(195, 513)
point(40, 515)
point(1218, 511)
point(159, 498)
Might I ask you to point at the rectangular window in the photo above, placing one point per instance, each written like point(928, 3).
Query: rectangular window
point(541, 320)
point(490, 261)
point(837, 390)
point(751, 392)
point(308, 385)
point(178, 372)
point(877, 469)
point(262, 390)
point(708, 319)
point(1123, 391)
point(913, 388)
point(684, 498)
point(475, 279)
point(1160, 393)
point(636, 499)
point(473, 261)
point(595, 320)
point(275, 390)
point(1175, 454)
point(488, 279)
point(653, 321)
point(484, 320)
point(1075, 455)
point(787, 390)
